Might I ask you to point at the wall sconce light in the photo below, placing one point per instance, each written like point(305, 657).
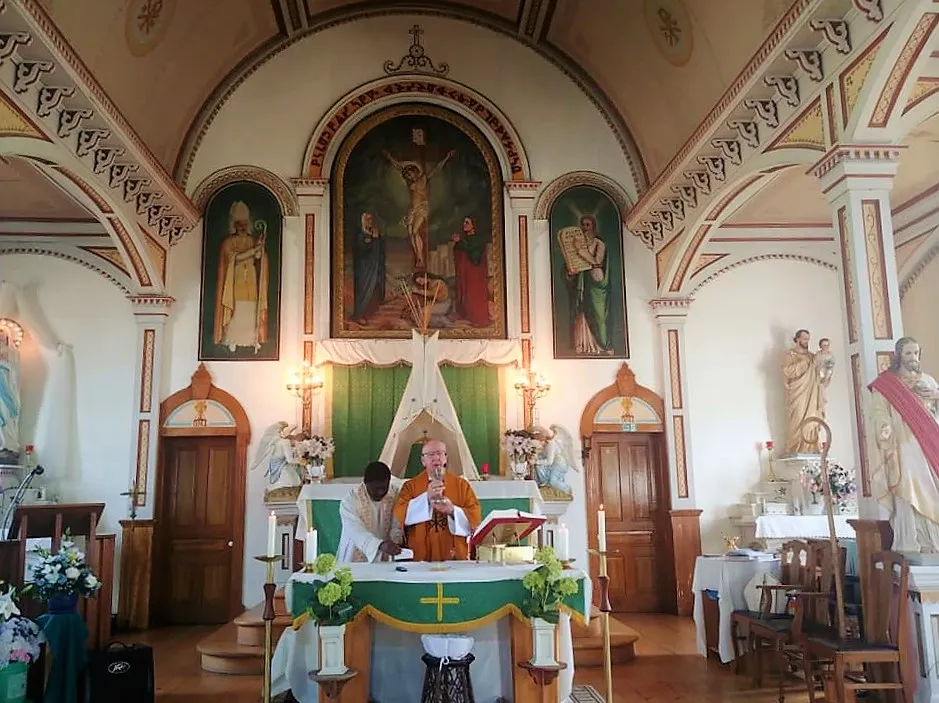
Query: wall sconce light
point(532, 386)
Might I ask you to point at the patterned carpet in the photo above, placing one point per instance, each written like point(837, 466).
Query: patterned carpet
point(585, 694)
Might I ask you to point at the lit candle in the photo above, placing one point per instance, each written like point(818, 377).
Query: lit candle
point(601, 526)
point(271, 533)
point(563, 550)
point(310, 546)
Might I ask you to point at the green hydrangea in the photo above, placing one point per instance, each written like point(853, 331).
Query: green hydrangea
point(343, 578)
point(547, 586)
point(329, 594)
point(324, 564)
point(566, 586)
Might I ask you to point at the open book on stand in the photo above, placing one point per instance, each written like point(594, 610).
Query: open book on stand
point(498, 537)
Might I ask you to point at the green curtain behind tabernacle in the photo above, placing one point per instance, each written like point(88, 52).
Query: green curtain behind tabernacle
point(366, 398)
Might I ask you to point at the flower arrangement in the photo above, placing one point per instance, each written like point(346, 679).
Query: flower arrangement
point(331, 604)
point(314, 450)
point(19, 637)
point(547, 587)
point(841, 481)
point(521, 445)
point(63, 573)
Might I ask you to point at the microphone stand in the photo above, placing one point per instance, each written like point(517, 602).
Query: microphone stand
point(18, 498)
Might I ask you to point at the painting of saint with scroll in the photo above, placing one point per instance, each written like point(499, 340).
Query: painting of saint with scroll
point(418, 228)
point(239, 318)
point(587, 283)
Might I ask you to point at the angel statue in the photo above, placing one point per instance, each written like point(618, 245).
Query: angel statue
point(277, 454)
point(554, 461)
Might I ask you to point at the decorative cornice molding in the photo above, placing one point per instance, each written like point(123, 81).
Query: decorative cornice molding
point(309, 187)
point(670, 309)
point(555, 188)
point(762, 257)
point(61, 94)
point(855, 153)
point(219, 179)
point(522, 190)
point(358, 11)
point(151, 304)
point(72, 256)
point(917, 271)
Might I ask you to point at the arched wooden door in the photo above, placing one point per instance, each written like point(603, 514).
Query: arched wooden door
point(627, 473)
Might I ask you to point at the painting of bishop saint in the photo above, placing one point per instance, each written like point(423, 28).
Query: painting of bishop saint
point(417, 228)
point(241, 257)
point(587, 283)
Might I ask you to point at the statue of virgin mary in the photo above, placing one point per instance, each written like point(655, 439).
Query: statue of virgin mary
point(9, 394)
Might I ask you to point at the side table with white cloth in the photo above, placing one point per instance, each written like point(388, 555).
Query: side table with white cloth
point(723, 579)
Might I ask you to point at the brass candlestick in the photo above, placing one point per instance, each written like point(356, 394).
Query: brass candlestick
point(605, 609)
point(268, 617)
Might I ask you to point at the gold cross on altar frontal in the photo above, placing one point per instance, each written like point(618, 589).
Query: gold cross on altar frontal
point(439, 601)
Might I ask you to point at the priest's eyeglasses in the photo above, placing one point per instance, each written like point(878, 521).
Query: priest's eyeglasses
point(439, 452)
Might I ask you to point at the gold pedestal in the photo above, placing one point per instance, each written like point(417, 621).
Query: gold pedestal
point(605, 609)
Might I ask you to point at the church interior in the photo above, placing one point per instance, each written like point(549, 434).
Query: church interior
point(657, 274)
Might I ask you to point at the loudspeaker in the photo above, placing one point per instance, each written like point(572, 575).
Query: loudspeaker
point(120, 672)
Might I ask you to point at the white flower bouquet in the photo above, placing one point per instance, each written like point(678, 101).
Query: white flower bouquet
point(63, 573)
point(841, 480)
point(19, 637)
point(521, 445)
point(315, 450)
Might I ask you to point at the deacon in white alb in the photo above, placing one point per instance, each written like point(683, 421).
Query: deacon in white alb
point(370, 531)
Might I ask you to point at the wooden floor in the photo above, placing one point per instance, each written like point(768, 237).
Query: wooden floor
point(667, 668)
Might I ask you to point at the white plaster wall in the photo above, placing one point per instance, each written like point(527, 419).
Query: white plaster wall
point(268, 123)
point(918, 307)
point(91, 314)
point(737, 331)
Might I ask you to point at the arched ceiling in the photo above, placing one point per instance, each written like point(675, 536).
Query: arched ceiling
point(660, 64)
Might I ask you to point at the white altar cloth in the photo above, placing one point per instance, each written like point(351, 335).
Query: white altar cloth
point(802, 527)
point(728, 577)
point(396, 667)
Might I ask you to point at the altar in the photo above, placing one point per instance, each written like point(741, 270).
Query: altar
point(318, 504)
point(383, 642)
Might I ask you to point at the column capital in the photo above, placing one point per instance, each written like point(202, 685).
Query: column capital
point(522, 195)
point(670, 310)
point(848, 167)
point(309, 189)
point(151, 305)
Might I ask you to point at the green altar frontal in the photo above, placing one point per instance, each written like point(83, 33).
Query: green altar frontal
point(440, 602)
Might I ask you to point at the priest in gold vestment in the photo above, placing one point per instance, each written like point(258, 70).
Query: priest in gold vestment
point(438, 509)
point(241, 293)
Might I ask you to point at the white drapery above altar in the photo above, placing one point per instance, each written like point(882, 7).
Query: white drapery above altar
point(388, 352)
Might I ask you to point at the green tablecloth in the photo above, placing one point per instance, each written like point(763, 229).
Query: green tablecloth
point(66, 635)
point(463, 597)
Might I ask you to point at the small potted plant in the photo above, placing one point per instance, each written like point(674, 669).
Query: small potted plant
point(60, 578)
point(331, 608)
point(20, 638)
point(548, 587)
point(522, 447)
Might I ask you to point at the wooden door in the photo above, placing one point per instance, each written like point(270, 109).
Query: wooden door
point(625, 477)
point(198, 530)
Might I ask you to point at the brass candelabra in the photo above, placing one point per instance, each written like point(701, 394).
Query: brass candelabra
point(268, 616)
point(605, 609)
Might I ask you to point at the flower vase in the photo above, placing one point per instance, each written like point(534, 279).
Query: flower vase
point(332, 650)
point(520, 470)
point(316, 473)
point(816, 506)
point(62, 605)
point(542, 643)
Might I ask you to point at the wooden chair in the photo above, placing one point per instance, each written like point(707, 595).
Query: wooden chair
point(761, 625)
point(880, 652)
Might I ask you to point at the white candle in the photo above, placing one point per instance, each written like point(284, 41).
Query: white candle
point(271, 533)
point(601, 526)
point(310, 546)
point(563, 550)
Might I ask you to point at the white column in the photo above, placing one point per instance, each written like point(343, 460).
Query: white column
point(151, 313)
point(857, 182)
point(670, 315)
point(313, 200)
point(519, 256)
point(924, 624)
